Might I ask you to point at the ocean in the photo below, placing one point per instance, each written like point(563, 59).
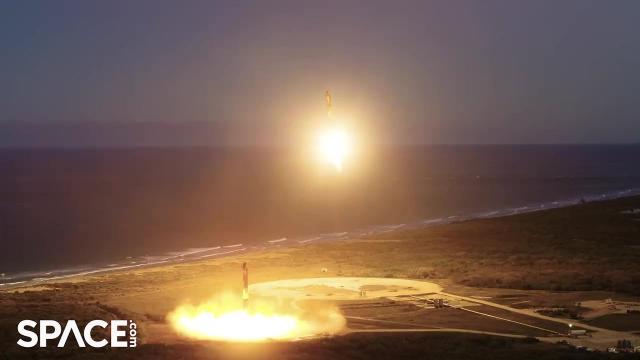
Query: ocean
point(70, 211)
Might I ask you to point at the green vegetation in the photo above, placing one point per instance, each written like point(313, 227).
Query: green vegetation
point(594, 246)
point(621, 322)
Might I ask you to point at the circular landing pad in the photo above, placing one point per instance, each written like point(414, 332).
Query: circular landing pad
point(343, 288)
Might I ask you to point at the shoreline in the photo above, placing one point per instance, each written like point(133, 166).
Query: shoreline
point(34, 278)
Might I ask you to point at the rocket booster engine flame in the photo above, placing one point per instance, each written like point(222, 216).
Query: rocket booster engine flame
point(245, 284)
point(225, 318)
point(334, 143)
point(327, 98)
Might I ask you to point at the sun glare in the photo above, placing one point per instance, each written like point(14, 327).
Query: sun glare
point(334, 145)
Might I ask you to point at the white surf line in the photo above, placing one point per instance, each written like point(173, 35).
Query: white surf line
point(96, 271)
point(111, 267)
point(277, 240)
point(432, 221)
point(539, 206)
point(376, 229)
point(309, 240)
point(117, 268)
point(222, 253)
point(389, 228)
point(13, 283)
point(187, 253)
point(232, 246)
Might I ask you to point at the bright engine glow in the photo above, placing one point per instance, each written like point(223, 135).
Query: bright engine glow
point(237, 325)
point(334, 146)
point(225, 318)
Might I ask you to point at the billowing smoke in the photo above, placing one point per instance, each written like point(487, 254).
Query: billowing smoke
point(225, 317)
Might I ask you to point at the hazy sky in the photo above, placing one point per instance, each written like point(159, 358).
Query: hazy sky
point(419, 71)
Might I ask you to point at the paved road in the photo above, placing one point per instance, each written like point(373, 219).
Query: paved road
point(511, 321)
point(601, 338)
point(346, 288)
point(418, 326)
point(435, 330)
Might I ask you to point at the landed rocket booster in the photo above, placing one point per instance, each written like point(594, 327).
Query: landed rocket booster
point(245, 284)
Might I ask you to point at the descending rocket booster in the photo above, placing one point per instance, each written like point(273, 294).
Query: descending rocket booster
point(334, 143)
point(327, 98)
point(245, 285)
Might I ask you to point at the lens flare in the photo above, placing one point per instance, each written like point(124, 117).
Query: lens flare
point(334, 145)
point(225, 319)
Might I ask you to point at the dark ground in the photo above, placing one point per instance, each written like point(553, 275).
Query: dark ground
point(354, 346)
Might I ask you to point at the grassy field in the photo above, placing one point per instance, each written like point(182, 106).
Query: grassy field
point(590, 247)
point(623, 322)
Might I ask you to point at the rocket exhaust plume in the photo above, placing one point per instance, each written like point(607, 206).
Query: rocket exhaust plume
point(334, 144)
point(226, 318)
point(328, 102)
point(245, 285)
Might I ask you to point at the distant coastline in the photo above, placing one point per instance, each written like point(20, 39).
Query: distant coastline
point(26, 279)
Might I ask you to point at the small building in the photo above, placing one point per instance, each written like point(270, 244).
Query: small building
point(439, 303)
point(577, 332)
point(625, 345)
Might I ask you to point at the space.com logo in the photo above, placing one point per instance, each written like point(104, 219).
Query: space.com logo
point(123, 333)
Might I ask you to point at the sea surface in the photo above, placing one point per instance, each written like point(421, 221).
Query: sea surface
point(71, 211)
